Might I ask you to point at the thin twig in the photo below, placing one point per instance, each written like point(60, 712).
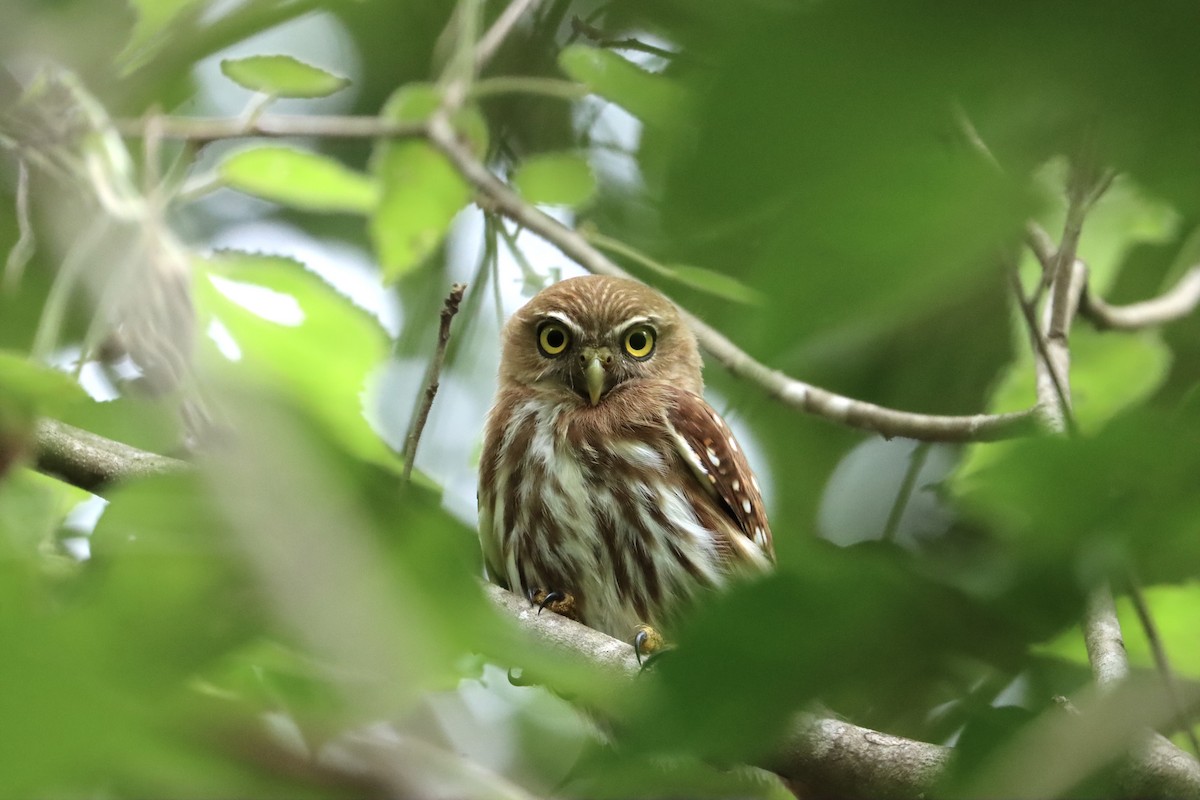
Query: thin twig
point(490, 42)
point(206, 129)
point(1161, 662)
point(797, 394)
point(916, 461)
point(1176, 303)
point(449, 309)
point(601, 39)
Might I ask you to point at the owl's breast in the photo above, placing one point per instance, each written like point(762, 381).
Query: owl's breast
point(603, 511)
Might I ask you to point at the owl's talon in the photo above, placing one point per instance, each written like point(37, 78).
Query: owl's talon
point(562, 603)
point(552, 597)
point(648, 641)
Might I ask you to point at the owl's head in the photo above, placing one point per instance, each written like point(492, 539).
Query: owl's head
point(592, 334)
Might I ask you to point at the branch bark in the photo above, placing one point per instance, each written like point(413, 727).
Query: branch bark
point(93, 462)
point(1176, 303)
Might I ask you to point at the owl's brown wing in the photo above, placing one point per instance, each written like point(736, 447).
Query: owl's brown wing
point(711, 451)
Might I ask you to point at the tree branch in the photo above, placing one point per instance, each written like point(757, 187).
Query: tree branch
point(207, 129)
point(93, 462)
point(797, 394)
point(1176, 303)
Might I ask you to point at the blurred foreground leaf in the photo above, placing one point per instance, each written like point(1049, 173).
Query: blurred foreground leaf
point(291, 329)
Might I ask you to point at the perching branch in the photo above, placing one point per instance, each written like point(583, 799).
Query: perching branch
point(432, 374)
point(93, 462)
point(797, 394)
point(831, 757)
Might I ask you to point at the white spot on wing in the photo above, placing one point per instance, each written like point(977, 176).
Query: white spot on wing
point(737, 485)
point(712, 456)
point(746, 505)
point(733, 444)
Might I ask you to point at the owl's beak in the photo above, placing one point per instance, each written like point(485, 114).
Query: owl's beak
point(594, 361)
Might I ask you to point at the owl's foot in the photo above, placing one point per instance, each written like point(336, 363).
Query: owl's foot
point(559, 602)
point(647, 641)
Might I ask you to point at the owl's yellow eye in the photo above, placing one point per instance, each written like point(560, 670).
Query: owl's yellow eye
point(639, 342)
point(553, 339)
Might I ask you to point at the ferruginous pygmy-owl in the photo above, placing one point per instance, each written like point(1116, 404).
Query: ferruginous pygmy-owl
point(606, 480)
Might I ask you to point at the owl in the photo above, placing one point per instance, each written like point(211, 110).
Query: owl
point(607, 485)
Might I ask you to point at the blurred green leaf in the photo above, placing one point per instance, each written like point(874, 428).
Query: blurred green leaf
point(164, 538)
point(28, 388)
point(301, 179)
point(883, 631)
point(654, 99)
point(557, 179)
point(293, 330)
point(281, 76)
point(1097, 504)
point(153, 19)
point(604, 773)
point(32, 509)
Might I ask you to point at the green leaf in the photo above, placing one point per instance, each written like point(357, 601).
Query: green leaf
point(322, 350)
point(1092, 505)
point(300, 179)
point(282, 76)
point(649, 97)
point(421, 191)
point(715, 283)
point(557, 179)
